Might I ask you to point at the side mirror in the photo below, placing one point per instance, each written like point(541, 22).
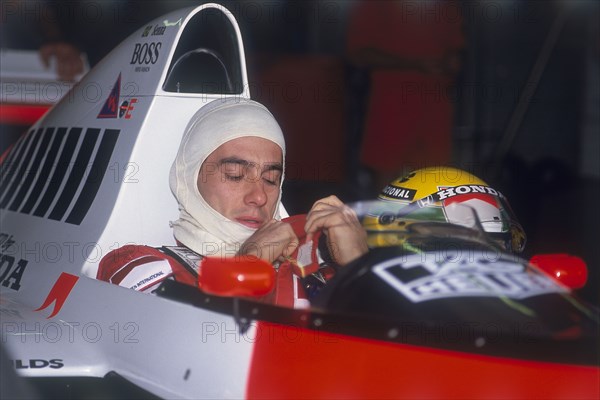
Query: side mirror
point(236, 276)
point(569, 270)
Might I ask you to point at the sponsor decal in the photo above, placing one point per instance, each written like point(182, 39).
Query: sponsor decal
point(185, 256)
point(11, 269)
point(448, 192)
point(445, 195)
point(146, 31)
point(147, 280)
point(145, 53)
point(450, 195)
point(126, 108)
point(59, 293)
point(156, 30)
point(159, 30)
point(400, 193)
point(110, 109)
point(435, 275)
point(55, 363)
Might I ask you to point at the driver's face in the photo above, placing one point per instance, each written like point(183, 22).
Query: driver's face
point(241, 180)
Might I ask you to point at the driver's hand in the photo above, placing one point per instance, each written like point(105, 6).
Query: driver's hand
point(273, 241)
point(346, 238)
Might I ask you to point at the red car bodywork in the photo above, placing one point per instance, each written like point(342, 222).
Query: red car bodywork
point(302, 363)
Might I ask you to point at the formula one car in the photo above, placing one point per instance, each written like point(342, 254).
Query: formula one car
point(443, 312)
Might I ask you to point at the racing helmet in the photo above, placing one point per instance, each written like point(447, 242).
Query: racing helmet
point(446, 194)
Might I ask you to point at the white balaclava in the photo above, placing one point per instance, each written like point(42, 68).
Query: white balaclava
point(200, 227)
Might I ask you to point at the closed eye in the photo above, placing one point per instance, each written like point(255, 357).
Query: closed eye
point(272, 177)
point(234, 178)
point(272, 174)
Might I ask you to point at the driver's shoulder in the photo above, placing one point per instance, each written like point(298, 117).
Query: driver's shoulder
point(144, 268)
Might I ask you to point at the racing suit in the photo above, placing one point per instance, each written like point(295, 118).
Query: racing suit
point(144, 268)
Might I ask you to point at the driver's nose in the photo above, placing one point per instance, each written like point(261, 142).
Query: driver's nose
point(255, 193)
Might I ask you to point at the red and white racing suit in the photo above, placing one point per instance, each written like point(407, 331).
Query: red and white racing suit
point(144, 268)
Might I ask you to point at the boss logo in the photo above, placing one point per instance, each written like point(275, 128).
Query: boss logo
point(146, 53)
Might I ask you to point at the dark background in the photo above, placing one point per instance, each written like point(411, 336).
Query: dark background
point(297, 65)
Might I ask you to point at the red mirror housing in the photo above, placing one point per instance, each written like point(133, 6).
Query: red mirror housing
point(569, 270)
point(236, 276)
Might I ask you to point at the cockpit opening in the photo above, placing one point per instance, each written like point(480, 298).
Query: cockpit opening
point(207, 57)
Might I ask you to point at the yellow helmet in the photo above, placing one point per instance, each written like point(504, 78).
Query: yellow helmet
point(443, 194)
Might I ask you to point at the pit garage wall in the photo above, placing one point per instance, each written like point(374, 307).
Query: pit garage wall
point(590, 139)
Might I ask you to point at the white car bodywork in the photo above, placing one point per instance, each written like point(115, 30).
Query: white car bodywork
point(94, 177)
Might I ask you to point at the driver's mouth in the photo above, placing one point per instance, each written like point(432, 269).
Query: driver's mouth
point(252, 223)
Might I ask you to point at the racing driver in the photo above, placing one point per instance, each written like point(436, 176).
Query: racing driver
point(227, 178)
